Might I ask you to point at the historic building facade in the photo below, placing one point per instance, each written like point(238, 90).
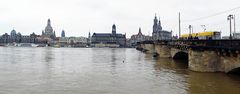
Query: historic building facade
point(138, 38)
point(19, 38)
point(108, 39)
point(158, 33)
point(48, 32)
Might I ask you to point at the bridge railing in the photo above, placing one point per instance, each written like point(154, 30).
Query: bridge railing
point(200, 44)
point(210, 44)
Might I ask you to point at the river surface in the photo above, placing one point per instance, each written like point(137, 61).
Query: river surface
point(103, 71)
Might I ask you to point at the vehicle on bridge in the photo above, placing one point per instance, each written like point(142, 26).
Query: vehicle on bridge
point(207, 35)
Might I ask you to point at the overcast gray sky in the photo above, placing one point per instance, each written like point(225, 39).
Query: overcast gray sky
point(78, 17)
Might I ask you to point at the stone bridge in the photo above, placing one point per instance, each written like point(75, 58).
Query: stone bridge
point(202, 55)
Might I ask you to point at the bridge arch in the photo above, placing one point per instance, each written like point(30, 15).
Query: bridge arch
point(181, 55)
point(234, 71)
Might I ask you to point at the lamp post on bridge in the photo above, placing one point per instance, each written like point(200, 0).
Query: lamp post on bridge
point(230, 17)
point(204, 27)
point(190, 31)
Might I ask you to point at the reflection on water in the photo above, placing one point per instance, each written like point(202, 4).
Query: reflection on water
point(103, 71)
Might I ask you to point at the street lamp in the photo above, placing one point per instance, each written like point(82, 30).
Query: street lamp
point(230, 17)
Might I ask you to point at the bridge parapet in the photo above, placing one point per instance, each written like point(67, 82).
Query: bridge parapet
point(208, 44)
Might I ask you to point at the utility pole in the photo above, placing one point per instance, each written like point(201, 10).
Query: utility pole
point(234, 22)
point(179, 16)
point(230, 17)
point(192, 30)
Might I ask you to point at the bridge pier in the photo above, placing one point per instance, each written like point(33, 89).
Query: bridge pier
point(163, 51)
point(148, 48)
point(205, 61)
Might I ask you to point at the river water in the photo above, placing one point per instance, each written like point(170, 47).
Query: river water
point(103, 71)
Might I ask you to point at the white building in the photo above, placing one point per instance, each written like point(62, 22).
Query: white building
point(138, 38)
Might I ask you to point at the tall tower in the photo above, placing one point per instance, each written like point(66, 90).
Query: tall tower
point(155, 28)
point(49, 30)
point(89, 35)
point(140, 32)
point(155, 24)
point(159, 25)
point(114, 31)
point(89, 39)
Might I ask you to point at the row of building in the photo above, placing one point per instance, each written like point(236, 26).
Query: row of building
point(112, 39)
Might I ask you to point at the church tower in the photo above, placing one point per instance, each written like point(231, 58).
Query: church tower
point(114, 31)
point(155, 24)
point(49, 30)
point(89, 35)
point(159, 25)
point(63, 33)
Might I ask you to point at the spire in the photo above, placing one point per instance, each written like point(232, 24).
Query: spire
point(89, 35)
point(49, 22)
point(159, 25)
point(155, 19)
point(140, 31)
point(155, 24)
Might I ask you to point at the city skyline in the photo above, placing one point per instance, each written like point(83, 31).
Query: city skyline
point(78, 18)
